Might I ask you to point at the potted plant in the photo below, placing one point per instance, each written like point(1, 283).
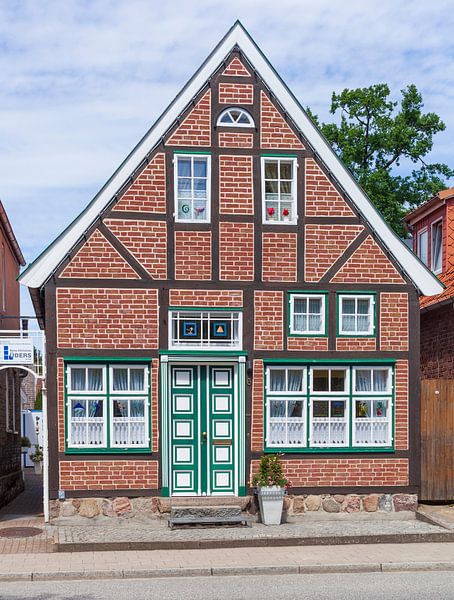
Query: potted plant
point(270, 212)
point(286, 214)
point(271, 486)
point(25, 443)
point(37, 459)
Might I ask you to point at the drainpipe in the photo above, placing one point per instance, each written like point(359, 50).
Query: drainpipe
point(45, 455)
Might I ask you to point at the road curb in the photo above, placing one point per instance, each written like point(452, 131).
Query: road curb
point(228, 571)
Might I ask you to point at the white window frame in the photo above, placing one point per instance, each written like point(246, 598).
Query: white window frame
point(356, 297)
point(86, 366)
point(307, 297)
point(433, 227)
point(286, 396)
point(371, 393)
point(333, 397)
point(227, 110)
point(372, 420)
point(129, 392)
point(87, 398)
point(129, 420)
point(207, 157)
point(419, 245)
point(344, 392)
point(279, 159)
point(199, 344)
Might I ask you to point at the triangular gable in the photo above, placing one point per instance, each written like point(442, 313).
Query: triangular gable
point(322, 198)
point(237, 38)
point(275, 132)
point(368, 264)
point(148, 192)
point(196, 128)
point(236, 69)
point(98, 259)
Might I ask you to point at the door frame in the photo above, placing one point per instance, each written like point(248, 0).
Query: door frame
point(239, 364)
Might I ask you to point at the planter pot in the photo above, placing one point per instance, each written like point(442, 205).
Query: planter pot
point(286, 218)
point(271, 501)
point(38, 466)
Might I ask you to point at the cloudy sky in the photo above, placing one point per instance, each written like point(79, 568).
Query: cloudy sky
point(82, 80)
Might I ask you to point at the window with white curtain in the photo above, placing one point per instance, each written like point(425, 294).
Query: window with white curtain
point(279, 190)
point(437, 246)
point(192, 188)
point(356, 314)
point(329, 407)
point(108, 406)
point(307, 314)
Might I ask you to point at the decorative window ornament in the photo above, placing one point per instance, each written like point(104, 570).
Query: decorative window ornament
point(235, 117)
point(205, 329)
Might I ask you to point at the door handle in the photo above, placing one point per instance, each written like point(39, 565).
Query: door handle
point(204, 437)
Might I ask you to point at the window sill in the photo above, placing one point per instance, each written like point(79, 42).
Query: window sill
point(91, 450)
point(330, 450)
point(308, 335)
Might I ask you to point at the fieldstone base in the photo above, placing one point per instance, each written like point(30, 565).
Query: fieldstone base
point(351, 503)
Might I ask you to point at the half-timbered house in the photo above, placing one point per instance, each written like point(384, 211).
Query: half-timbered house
point(230, 292)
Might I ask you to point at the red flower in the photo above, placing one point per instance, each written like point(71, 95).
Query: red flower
point(285, 212)
point(270, 211)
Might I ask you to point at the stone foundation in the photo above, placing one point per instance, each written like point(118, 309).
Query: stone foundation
point(123, 507)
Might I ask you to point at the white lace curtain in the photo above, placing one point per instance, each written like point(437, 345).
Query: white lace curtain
point(371, 380)
point(89, 380)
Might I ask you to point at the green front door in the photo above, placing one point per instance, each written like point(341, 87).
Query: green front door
point(203, 454)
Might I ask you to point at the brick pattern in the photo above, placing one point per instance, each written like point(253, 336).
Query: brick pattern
point(437, 343)
point(236, 93)
point(107, 318)
point(279, 262)
point(258, 407)
point(307, 343)
point(195, 130)
point(108, 474)
point(230, 139)
point(268, 320)
point(192, 255)
point(155, 405)
point(236, 193)
point(322, 198)
point(401, 405)
point(344, 472)
point(236, 69)
point(98, 259)
point(368, 264)
point(356, 343)
point(275, 133)
point(148, 192)
point(324, 244)
point(394, 321)
point(236, 251)
point(204, 298)
point(146, 240)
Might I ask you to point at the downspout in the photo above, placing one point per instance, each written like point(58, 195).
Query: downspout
point(45, 438)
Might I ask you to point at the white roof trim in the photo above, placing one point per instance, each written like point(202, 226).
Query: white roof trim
point(39, 271)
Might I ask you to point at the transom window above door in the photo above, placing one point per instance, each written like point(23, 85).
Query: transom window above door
point(216, 329)
point(279, 190)
point(235, 117)
point(192, 188)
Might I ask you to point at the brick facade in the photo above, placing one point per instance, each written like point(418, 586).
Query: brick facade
point(394, 321)
point(279, 257)
point(236, 93)
point(230, 139)
point(322, 198)
point(276, 133)
point(192, 255)
point(236, 194)
point(148, 192)
point(108, 474)
point(269, 320)
point(437, 343)
point(195, 130)
point(236, 251)
point(203, 298)
point(236, 69)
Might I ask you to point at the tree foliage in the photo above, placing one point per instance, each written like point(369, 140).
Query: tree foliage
point(375, 135)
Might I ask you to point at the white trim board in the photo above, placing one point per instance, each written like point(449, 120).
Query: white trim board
point(44, 266)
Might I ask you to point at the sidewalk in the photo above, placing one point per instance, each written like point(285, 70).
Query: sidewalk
point(238, 561)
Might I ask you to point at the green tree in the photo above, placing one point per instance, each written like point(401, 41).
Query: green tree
point(375, 134)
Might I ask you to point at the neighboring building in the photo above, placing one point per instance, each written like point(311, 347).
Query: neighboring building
point(11, 259)
point(432, 226)
point(231, 291)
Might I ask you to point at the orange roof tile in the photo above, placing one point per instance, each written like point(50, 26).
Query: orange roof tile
point(448, 280)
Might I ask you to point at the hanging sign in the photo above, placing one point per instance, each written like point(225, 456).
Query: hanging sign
point(16, 352)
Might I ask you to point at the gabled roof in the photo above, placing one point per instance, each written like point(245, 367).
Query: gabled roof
point(446, 296)
point(44, 266)
point(430, 205)
point(10, 235)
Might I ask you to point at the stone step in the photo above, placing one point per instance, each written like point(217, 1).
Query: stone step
point(204, 512)
point(166, 504)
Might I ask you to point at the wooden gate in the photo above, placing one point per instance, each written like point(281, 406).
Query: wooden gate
point(437, 439)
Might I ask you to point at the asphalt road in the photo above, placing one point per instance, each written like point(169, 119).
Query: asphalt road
point(373, 586)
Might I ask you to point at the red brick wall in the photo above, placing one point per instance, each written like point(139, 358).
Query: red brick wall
point(146, 240)
point(437, 343)
point(107, 318)
point(108, 474)
point(343, 472)
point(230, 139)
point(279, 256)
point(236, 195)
point(324, 244)
point(148, 192)
point(393, 321)
point(195, 130)
point(307, 343)
point(356, 343)
point(236, 93)
point(203, 298)
point(322, 198)
point(192, 255)
point(258, 407)
point(368, 264)
point(268, 320)
point(97, 258)
point(236, 251)
point(236, 69)
point(275, 132)
point(401, 408)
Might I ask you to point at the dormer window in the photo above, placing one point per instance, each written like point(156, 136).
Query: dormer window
point(235, 117)
point(436, 249)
